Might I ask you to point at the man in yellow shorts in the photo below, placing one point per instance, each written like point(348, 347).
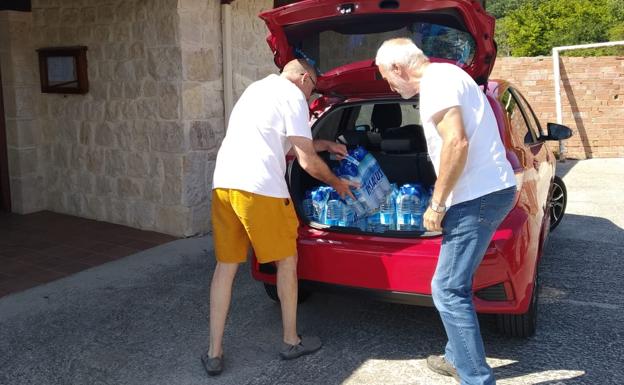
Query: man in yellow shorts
point(250, 199)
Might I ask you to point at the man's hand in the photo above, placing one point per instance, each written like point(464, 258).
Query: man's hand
point(343, 187)
point(305, 150)
point(340, 150)
point(433, 220)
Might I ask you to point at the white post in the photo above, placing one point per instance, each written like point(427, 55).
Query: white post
point(556, 70)
point(557, 79)
point(228, 87)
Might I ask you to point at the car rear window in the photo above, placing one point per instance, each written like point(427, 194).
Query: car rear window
point(330, 45)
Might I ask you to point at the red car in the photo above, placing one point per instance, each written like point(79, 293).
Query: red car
point(356, 107)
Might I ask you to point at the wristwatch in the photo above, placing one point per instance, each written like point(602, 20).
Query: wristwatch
point(440, 209)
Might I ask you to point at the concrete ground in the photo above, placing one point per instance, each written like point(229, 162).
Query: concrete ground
point(143, 319)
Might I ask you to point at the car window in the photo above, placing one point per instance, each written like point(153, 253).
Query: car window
point(520, 130)
point(331, 45)
point(327, 127)
point(364, 116)
point(530, 115)
point(410, 113)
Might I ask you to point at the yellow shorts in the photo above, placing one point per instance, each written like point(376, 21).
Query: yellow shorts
point(240, 218)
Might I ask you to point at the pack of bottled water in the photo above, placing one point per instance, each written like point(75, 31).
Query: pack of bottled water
point(379, 206)
point(402, 209)
point(361, 167)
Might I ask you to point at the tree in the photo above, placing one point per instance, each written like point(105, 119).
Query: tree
point(537, 26)
point(500, 8)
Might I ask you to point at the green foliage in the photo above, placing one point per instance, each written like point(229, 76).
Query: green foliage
point(539, 25)
point(500, 8)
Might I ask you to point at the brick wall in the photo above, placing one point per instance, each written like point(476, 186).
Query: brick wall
point(592, 95)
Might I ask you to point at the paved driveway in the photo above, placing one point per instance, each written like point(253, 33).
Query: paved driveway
point(143, 319)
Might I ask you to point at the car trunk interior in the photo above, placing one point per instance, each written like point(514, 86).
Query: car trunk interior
point(388, 130)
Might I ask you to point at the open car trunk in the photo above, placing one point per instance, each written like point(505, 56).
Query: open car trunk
point(389, 130)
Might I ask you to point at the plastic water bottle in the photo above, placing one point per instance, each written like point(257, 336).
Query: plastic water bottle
point(387, 210)
point(374, 224)
point(420, 195)
point(409, 212)
point(374, 184)
point(352, 169)
point(348, 216)
point(361, 223)
point(334, 209)
point(319, 203)
point(348, 170)
point(308, 208)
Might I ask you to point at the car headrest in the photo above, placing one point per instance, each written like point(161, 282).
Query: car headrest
point(356, 138)
point(413, 132)
point(398, 145)
point(386, 115)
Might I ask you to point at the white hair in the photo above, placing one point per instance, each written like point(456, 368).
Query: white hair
point(400, 51)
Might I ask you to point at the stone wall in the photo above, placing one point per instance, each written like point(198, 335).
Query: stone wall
point(592, 93)
point(202, 105)
point(20, 87)
point(139, 148)
point(252, 58)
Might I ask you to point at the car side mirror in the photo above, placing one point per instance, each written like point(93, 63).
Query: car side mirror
point(557, 132)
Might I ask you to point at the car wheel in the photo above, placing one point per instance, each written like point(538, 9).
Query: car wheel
point(521, 325)
point(271, 291)
point(558, 201)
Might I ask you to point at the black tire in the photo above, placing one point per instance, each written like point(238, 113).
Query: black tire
point(271, 291)
point(520, 325)
point(558, 202)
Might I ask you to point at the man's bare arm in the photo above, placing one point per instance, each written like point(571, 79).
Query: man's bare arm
point(454, 151)
point(309, 160)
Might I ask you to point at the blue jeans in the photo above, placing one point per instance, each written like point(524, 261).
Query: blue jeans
point(468, 228)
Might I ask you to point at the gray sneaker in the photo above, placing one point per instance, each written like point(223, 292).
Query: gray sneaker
point(441, 366)
point(307, 345)
point(213, 365)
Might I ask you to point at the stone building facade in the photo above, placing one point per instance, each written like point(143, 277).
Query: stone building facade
point(139, 148)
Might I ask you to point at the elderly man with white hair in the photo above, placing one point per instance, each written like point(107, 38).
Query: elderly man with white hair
point(473, 193)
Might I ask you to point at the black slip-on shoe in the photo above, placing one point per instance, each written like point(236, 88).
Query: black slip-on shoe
point(307, 345)
point(441, 366)
point(213, 365)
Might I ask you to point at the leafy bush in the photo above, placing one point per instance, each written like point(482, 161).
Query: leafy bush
point(536, 26)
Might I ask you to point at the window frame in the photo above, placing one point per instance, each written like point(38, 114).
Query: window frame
point(80, 82)
point(513, 93)
point(528, 110)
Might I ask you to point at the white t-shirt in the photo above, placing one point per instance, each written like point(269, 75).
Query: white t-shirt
point(252, 156)
point(487, 169)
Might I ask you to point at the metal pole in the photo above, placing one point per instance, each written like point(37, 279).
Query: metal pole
point(557, 79)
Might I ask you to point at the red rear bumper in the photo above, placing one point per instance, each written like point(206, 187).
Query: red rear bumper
point(404, 266)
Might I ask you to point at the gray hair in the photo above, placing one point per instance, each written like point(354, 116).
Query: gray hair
point(400, 51)
point(298, 66)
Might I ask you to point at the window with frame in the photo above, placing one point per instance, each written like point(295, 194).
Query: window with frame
point(410, 114)
point(521, 131)
point(532, 120)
